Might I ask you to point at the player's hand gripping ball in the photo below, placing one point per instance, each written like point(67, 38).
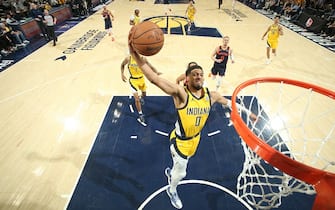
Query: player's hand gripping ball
point(146, 38)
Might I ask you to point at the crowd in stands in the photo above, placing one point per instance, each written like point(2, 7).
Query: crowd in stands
point(12, 12)
point(15, 12)
point(292, 9)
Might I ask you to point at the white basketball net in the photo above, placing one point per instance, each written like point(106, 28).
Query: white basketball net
point(296, 121)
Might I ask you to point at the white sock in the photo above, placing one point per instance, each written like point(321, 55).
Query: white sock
point(218, 81)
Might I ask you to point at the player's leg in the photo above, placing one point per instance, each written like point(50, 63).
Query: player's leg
point(110, 33)
point(220, 77)
point(193, 24)
point(213, 73)
point(142, 98)
point(134, 84)
point(175, 175)
point(138, 103)
point(268, 48)
point(274, 52)
point(274, 48)
point(143, 88)
point(178, 171)
point(188, 24)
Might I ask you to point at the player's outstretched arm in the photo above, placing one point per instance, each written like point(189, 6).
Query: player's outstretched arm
point(168, 87)
point(151, 66)
point(217, 98)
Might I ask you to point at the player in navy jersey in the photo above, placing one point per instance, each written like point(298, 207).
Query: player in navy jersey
point(220, 57)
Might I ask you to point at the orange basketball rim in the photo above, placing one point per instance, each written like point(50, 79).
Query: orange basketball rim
point(322, 181)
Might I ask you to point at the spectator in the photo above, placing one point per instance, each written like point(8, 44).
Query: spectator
point(37, 14)
point(20, 9)
point(6, 44)
point(17, 37)
point(10, 20)
point(75, 4)
point(275, 6)
point(89, 6)
point(267, 4)
point(291, 9)
point(329, 30)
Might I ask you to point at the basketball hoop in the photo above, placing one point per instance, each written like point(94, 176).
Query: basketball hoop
point(295, 133)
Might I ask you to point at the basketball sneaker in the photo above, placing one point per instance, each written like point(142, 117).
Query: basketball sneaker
point(268, 61)
point(141, 120)
point(174, 198)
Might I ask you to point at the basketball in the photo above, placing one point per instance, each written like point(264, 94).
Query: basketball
point(147, 38)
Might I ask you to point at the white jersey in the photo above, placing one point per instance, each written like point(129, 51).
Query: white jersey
point(49, 20)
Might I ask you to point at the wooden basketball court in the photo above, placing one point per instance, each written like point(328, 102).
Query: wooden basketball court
point(51, 110)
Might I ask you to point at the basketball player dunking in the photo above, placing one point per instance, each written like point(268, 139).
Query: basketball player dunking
point(193, 103)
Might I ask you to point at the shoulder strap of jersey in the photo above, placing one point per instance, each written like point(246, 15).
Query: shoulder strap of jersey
point(208, 94)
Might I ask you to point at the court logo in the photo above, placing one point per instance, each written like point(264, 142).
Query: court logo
point(97, 37)
point(178, 25)
point(95, 40)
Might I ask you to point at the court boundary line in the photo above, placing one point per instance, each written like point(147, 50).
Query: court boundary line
point(194, 181)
